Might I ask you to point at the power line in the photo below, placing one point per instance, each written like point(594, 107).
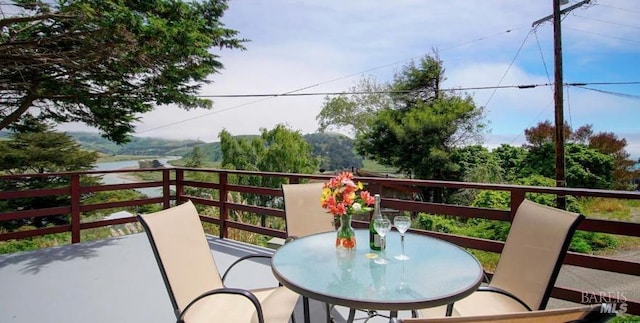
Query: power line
point(268, 97)
point(535, 33)
point(474, 88)
point(602, 35)
point(509, 68)
point(618, 94)
point(607, 22)
point(618, 8)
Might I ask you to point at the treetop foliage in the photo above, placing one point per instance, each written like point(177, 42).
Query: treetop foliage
point(43, 151)
point(418, 131)
point(105, 62)
point(605, 143)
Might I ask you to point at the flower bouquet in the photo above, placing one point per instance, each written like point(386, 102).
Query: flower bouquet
point(343, 197)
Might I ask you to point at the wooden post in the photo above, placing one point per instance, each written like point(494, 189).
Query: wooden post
point(222, 178)
point(75, 208)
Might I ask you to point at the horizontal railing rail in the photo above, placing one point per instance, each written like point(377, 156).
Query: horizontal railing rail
point(175, 185)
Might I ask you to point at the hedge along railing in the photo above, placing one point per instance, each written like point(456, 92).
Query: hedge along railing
point(177, 178)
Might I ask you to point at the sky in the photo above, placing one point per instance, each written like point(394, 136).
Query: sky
point(312, 46)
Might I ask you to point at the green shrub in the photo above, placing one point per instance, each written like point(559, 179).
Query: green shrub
point(587, 242)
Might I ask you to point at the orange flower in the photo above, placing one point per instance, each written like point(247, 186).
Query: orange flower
point(341, 195)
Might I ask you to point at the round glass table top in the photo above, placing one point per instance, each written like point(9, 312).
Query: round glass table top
point(437, 273)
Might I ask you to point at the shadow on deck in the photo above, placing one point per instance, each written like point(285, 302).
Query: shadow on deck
point(114, 280)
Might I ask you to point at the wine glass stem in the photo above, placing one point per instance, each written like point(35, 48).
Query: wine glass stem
point(402, 243)
point(382, 246)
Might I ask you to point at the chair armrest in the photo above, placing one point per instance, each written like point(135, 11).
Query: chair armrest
point(235, 291)
point(485, 277)
point(242, 259)
point(501, 291)
point(290, 238)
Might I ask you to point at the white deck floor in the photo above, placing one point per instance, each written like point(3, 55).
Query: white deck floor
point(113, 280)
point(117, 280)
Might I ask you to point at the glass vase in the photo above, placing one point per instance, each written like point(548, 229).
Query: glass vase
point(345, 235)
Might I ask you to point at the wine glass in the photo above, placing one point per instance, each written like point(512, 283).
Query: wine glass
point(402, 223)
point(382, 226)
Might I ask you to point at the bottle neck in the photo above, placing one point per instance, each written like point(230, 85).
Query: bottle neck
point(377, 212)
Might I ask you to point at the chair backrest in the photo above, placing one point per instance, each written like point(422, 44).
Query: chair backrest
point(304, 214)
point(534, 251)
point(182, 252)
point(576, 314)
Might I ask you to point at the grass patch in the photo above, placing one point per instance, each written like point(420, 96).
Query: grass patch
point(372, 166)
point(488, 260)
point(606, 208)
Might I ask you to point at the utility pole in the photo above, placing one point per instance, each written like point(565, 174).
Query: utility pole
point(561, 201)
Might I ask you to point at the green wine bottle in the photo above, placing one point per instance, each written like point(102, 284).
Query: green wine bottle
point(374, 237)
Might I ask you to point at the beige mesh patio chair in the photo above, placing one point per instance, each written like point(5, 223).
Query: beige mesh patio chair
point(305, 216)
point(303, 212)
point(196, 290)
point(574, 315)
point(528, 267)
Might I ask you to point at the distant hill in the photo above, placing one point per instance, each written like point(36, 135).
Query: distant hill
point(335, 150)
point(137, 145)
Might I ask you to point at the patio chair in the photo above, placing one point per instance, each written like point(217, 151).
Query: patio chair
point(190, 274)
point(305, 216)
point(303, 212)
point(574, 315)
point(528, 266)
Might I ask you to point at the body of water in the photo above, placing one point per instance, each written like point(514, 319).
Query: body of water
point(116, 178)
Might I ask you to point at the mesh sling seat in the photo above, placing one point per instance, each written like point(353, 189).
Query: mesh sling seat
point(190, 274)
point(584, 314)
point(303, 213)
point(528, 266)
point(305, 216)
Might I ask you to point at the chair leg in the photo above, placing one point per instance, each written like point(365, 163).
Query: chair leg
point(328, 312)
point(449, 309)
point(352, 315)
point(305, 309)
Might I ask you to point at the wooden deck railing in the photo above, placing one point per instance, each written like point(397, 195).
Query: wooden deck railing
point(174, 187)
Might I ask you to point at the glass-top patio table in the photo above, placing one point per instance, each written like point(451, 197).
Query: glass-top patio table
point(437, 273)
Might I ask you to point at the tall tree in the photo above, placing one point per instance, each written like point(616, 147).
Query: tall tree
point(106, 62)
point(37, 149)
point(417, 134)
point(544, 132)
point(606, 143)
point(623, 172)
point(335, 151)
point(278, 150)
point(196, 158)
point(356, 110)
point(510, 159)
point(585, 167)
point(43, 152)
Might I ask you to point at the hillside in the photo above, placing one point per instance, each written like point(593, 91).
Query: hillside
point(335, 150)
point(137, 146)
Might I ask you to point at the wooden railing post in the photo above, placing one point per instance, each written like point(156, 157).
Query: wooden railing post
point(179, 185)
point(166, 188)
point(222, 178)
point(75, 208)
point(517, 196)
